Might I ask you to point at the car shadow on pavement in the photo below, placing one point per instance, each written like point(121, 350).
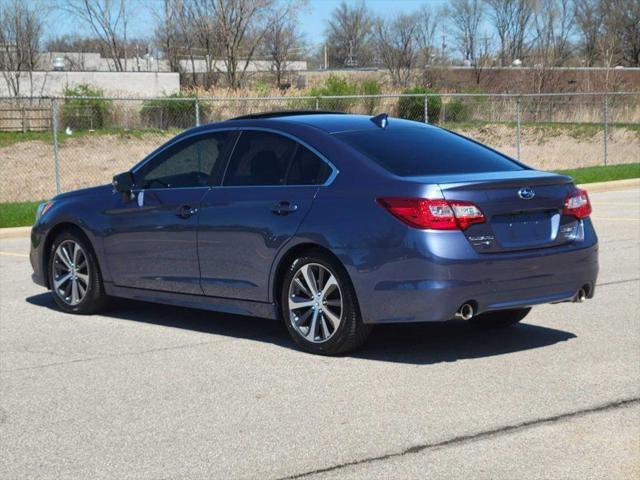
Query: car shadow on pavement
point(418, 343)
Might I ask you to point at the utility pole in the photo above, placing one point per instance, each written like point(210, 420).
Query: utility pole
point(351, 61)
point(326, 64)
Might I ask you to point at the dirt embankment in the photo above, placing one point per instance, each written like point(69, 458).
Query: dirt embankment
point(549, 148)
point(29, 167)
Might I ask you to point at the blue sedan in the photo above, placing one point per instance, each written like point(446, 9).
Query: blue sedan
point(330, 222)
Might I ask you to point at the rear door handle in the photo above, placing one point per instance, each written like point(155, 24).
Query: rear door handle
point(185, 211)
point(284, 207)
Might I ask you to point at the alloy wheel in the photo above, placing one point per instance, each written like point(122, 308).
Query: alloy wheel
point(315, 303)
point(70, 272)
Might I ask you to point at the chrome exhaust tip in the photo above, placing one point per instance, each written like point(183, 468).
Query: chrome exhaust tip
point(581, 296)
point(465, 312)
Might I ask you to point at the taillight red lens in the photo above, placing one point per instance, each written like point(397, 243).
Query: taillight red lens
point(433, 214)
point(577, 204)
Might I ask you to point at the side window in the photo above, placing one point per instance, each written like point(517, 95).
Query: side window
point(188, 164)
point(307, 169)
point(260, 158)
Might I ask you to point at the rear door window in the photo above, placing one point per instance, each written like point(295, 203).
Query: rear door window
point(307, 168)
point(260, 158)
point(422, 150)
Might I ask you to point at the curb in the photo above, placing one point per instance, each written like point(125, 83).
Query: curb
point(611, 186)
point(16, 232)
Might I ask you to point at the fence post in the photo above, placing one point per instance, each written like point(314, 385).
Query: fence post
point(197, 105)
point(518, 128)
point(54, 128)
point(605, 113)
point(426, 109)
point(443, 110)
point(317, 103)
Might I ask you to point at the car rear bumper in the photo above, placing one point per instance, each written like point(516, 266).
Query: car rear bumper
point(424, 284)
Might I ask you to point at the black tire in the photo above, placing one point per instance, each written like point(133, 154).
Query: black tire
point(351, 332)
point(500, 318)
point(94, 299)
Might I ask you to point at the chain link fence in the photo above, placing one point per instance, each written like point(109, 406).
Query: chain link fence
point(50, 145)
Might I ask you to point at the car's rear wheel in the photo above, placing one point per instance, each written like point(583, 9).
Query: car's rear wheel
point(500, 318)
point(74, 275)
point(319, 306)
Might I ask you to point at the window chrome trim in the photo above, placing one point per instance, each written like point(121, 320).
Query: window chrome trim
point(334, 170)
point(327, 182)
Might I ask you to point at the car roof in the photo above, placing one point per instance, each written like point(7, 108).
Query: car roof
point(330, 122)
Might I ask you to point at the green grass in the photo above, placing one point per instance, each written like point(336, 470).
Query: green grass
point(21, 214)
point(10, 138)
point(604, 174)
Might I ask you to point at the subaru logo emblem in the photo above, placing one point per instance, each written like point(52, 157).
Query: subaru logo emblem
point(526, 193)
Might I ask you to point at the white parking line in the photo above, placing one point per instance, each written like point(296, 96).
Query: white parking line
point(11, 254)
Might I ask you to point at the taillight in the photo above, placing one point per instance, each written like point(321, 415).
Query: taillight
point(577, 204)
point(433, 214)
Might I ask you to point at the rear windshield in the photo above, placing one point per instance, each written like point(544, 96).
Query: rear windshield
point(415, 151)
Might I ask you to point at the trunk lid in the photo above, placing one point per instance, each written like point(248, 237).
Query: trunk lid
point(522, 209)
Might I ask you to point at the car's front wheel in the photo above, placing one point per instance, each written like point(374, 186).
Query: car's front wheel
point(74, 275)
point(500, 318)
point(319, 306)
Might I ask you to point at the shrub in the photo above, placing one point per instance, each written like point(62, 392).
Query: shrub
point(164, 114)
point(83, 114)
point(457, 111)
point(370, 87)
point(335, 86)
point(412, 108)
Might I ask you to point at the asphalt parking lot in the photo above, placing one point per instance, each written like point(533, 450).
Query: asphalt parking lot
point(150, 391)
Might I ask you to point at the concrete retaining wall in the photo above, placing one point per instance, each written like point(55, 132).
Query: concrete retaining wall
point(136, 84)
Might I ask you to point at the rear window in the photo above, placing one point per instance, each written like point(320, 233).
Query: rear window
point(415, 151)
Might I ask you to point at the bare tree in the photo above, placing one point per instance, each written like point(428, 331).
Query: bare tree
point(551, 47)
point(511, 19)
point(167, 34)
point(397, 45)
point(465, 17)
point(183, 14)
point(348, 35)
point(282, 39)
point(240, 27)
point(622, 28)
point(108, 21)
point(589, 25)
point(20, 37)
point(204, 28)
point(555, 25)
point(425, 34)
point(483, 59)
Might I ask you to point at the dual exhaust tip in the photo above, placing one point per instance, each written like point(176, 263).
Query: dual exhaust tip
point(465, 312)
point(581, 296)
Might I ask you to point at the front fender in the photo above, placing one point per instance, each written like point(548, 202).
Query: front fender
point(81, 212)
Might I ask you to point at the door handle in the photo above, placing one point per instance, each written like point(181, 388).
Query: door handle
point(185, 211)
point(284, 208)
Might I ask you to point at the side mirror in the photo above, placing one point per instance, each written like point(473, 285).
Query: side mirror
point(123, 182)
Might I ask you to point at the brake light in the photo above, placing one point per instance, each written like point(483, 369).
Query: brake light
point(577, 204)
point(433, 214)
